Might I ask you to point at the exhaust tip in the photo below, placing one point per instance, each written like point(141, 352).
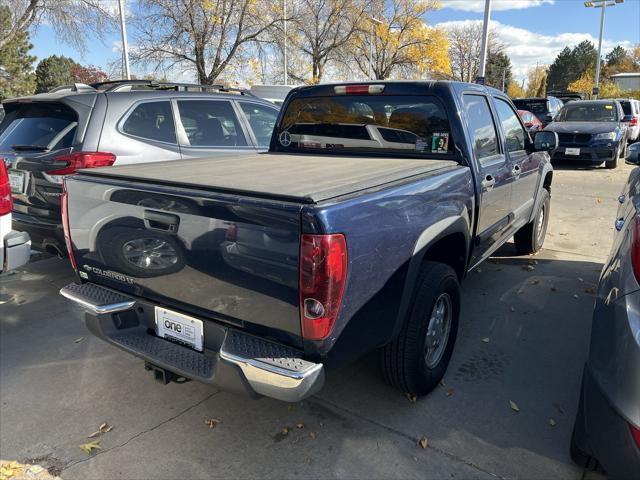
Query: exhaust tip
point(54, 250)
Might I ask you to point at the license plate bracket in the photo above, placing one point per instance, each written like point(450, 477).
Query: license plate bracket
point(572, 151)
point(179, 328)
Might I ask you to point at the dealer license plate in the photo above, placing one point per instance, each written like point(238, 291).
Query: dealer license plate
point(179, 328)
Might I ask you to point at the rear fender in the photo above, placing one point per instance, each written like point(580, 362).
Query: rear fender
point(546, 169)
point(429, 237)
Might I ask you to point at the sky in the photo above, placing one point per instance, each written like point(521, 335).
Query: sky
point(533, 31)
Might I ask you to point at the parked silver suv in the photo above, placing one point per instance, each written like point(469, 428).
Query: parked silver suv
point(46, 136)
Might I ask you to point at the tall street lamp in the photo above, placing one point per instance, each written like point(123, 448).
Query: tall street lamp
point(125, 47)
point(485, 41)
point(603, 4)
point(374, 21)
point(284, 27)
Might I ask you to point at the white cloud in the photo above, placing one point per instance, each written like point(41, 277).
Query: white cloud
point(528, 49)
point(497, 5)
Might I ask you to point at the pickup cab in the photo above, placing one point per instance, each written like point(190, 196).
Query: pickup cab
point(260, 273)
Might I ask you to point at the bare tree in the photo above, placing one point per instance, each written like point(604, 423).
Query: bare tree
point(69, 18)
point(319, 29)
point(465, 41)
point(203, 35)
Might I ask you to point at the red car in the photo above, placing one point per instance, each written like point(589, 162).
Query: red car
point(530, 121)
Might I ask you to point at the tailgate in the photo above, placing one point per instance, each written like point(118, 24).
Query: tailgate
point(228, 258)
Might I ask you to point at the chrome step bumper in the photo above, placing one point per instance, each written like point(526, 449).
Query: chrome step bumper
point(268, 368)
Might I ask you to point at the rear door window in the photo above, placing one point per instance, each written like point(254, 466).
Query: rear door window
point(151, 120)
point(513, 132)
point(261, 120)
point(209, 123)
point(481, 126)
point(46, 126)
point(398, 124)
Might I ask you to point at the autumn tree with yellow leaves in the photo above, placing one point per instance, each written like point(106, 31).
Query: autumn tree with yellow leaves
point(403, 44)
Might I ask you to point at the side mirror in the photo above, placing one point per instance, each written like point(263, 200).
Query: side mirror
point(627, 118)
point(548, 118)
point(633, 154)
point(544, 141)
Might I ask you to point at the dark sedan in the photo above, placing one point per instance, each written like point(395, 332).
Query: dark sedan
point(592, 131)
point(607, 428)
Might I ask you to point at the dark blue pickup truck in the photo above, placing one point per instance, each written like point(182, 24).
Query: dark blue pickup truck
point(259, 273)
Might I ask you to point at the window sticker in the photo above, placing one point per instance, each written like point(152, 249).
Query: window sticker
point(285, 138)
point(440, 142)
point(421, 144)
point(307, 144)
point(609, 107)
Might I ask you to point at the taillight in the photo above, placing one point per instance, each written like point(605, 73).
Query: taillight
point(633, 122)
point(77, 160)
point(635, 248)
point(65, 226)
point(358, 89)
point(323, 272)
point(635, 433)
point(6, 201)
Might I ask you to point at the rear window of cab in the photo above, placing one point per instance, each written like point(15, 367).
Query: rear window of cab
point(398, 124)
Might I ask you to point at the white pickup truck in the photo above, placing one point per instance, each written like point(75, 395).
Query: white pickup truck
point(15, 247)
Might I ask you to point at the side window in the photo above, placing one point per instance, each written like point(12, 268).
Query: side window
point(261, 119)
point(209, 123)
point(513, 132)
point(151, 120)
point(483, 130)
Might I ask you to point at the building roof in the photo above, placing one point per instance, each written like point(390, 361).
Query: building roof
point(621, 75)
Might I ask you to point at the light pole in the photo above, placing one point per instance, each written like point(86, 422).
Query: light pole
point(603, 4)
point(125, 46)
point(485, 41)
point(374, 21)
point(284, 27)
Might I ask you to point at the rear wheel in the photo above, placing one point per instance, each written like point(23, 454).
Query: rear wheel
point(417, 359)
point(530, 238)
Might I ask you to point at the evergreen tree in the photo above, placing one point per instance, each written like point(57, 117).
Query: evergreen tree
point(570, 65)
point(16, 78)
point(498, 64)
point(54, 71)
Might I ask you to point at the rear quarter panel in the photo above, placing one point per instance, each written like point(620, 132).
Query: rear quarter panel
point(383, 231)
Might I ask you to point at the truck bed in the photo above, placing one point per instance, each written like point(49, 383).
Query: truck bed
point(298, 178)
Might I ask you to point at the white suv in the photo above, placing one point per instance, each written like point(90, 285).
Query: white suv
point(15, 247)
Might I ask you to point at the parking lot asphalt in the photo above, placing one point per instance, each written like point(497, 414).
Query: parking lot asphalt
point(523, 342)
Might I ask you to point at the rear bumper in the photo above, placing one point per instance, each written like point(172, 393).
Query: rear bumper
point(232, 360)
point(602, 432)
point(17, 250)
point(595, 154)
point(43, 232)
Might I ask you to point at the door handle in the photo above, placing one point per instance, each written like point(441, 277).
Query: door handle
point(488, 182)
point(516, 170)
point(165, 222)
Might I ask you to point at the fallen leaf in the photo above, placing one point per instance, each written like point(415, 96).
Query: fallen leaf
point(478, 270)
point(552, 422)
point(411, 397)
point(423, 442)
point(529, 268)
point(212, 422)
point(598, 200)
point(512, 309)
point(313, 435)
point(78, 340)
point(590, 290)
point(575, 295)
point(103, 427)
point(442, 384)
point(94, 434)
point(36, 469)
point(535, 282)
point(514, 406)
point(449, 392)
point(300, 425)
point(285, 431)
point(90, 446)
point(486, 340)
point(580, 279)
point(553, 289)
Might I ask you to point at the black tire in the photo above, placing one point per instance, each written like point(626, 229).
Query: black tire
point(404, 360)
point(613, 163)
point(530, 238)
point(112, 243)
point(579, 456)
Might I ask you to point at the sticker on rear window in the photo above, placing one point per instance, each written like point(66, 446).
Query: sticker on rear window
point(609, 107)
point(285, 138)
point(440, 142)
point(307, 144)
point(421, 144)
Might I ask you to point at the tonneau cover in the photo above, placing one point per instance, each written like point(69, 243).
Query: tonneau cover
point(301, 178)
